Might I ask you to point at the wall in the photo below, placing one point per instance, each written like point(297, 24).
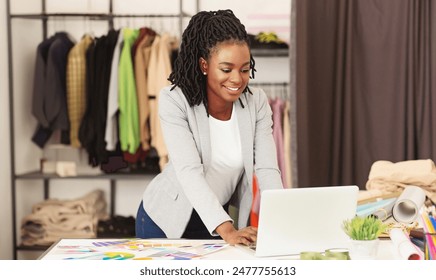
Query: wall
point(5, 205)
point(27, 35)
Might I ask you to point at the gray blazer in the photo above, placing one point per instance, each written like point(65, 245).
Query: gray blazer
point(181, 186)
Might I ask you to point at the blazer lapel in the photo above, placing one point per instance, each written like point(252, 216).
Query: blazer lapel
point(204, 134)
point(246, 134)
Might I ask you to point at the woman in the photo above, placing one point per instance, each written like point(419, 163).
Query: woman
point(217, 132)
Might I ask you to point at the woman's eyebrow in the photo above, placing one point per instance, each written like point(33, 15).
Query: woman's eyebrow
point(232, 64)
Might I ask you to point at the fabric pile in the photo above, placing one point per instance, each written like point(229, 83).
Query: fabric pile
point(53, 219)
point(387, 177)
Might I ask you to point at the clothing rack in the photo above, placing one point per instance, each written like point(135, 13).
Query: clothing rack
point(274, 89)
point(100, 17)
point(44, 17)
point(269, 84)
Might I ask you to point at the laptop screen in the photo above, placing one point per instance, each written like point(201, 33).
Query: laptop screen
point(304, 219)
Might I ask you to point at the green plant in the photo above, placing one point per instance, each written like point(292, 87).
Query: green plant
point(364, 228)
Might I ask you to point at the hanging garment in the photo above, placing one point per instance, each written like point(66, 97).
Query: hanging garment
point(287, 143)
point(128, 104)
point(86, 130)
point(111, 132)
point(255, 205)
point(159, 69)
point(92, 130)
point(142, 57)
point(76, 90)
point(277, 108)
point(104, 62)
point(141, 54)
point(49, 92)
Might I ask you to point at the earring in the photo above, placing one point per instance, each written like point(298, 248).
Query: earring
point(204, 73)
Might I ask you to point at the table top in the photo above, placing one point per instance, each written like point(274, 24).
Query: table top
point(167, 249)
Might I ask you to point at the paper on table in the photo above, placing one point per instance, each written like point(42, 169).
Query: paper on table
point(407, 206)
point(405, 248)
point(381, 209)
point(385, 212)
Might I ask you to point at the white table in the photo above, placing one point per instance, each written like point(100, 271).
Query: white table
point(386, 252)
point(93, 248)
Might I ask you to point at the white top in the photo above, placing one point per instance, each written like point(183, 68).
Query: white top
point(226, 162)
point(111, 132)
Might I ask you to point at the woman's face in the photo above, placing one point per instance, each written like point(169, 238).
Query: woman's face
point(228, 72)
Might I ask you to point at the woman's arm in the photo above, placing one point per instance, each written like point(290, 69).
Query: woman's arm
point(265, 153)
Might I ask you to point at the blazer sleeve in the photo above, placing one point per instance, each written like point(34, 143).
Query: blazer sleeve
point(178, 123)
point(265, 152)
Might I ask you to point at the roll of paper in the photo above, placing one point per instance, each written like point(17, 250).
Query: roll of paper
point(405, 248)
point(407, 206)
point(385, 212)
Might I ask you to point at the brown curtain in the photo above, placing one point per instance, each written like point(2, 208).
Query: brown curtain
point(366, 86)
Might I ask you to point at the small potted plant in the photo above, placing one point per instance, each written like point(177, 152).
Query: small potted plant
point(364, 233)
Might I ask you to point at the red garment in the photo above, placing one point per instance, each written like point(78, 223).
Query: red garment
point(255, 206)
point(139, 155)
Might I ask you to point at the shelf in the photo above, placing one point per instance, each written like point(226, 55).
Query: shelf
point(32, 248)
point(22, 247)
point(95, 16)
point(118, 176)
point(270, 52)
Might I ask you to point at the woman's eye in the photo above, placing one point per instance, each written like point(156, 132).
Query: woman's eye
point(230, 70)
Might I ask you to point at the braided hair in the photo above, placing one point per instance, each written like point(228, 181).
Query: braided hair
point(200, 38)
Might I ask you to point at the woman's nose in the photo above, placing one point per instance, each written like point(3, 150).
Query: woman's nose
point(236, 77)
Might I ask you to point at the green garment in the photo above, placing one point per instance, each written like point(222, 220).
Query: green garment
point(127, 100)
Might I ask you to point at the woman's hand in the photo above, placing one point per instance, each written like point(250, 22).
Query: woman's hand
point(232, 236)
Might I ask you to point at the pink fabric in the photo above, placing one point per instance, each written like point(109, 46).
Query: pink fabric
point(277, 107)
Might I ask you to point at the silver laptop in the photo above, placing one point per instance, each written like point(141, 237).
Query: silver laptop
point(303, 219)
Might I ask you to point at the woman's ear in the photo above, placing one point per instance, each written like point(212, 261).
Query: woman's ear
point(203, 65)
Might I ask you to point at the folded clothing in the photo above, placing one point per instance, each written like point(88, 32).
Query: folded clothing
point(54, 219)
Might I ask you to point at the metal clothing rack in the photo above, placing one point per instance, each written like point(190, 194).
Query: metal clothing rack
point(274, 89)
point(45, 17)
point(99, 17)
point(285, 84)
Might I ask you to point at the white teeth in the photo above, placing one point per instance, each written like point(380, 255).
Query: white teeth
point(233, 89)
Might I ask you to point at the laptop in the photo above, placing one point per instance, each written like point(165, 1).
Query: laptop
point(295, 220)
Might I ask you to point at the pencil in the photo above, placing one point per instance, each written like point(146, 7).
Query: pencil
point(430, 248)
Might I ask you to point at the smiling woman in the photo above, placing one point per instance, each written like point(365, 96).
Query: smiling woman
point(227, 70)
point(215, 128)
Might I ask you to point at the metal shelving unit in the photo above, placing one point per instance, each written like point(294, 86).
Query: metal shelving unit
point(44, 17)
point(270, 52)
